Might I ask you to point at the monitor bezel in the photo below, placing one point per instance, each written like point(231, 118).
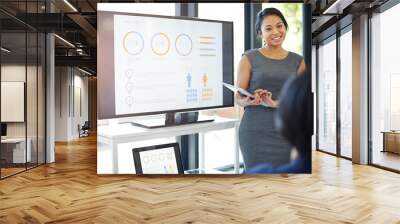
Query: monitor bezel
point(100, 117)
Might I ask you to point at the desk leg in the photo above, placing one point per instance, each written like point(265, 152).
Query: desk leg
point(384, 143)
point(236, 164)
point(201, 151)
point(115, 157)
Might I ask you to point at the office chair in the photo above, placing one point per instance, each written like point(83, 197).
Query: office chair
point(84, 130)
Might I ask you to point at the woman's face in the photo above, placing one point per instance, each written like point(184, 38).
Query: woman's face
point(273, 30)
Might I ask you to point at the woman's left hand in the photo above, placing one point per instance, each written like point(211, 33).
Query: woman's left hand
point(267, 98)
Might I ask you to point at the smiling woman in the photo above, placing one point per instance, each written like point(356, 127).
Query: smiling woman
point(294, 17)
point(263, 72)
point(274, 27)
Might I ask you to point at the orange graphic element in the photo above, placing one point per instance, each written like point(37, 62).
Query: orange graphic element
point(206, 37)
point(207, 40)
point(205, 79)
point(202, 42)
point(207, 94)
point(139, 43)
point(156, 49)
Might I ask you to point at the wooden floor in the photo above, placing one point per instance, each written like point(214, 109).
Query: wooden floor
point(386, 159)
point(70, 191)
point(10, 171)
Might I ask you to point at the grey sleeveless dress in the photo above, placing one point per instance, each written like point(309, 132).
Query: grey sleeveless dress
point(259, 140)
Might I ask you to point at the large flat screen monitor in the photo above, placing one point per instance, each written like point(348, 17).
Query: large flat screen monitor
point(151, 64)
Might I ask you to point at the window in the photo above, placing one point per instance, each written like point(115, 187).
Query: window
point(218, 11)
point(346, 94)
point(215, 155)
point(385, 86)
point(327, 96)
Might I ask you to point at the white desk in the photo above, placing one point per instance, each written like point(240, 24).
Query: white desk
point(19, 149)
point(109, 136)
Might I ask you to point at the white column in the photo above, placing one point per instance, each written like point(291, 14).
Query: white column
point(360, 90)
point(50, 99)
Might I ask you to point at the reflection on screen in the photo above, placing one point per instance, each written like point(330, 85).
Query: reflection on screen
point(160, 161)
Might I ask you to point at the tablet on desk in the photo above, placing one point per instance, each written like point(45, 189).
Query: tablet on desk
point(158, 159)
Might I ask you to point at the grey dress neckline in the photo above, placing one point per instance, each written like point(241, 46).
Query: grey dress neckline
point(273, 59)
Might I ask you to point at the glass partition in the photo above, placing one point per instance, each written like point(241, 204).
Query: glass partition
point(13, 112)
point(22, 88)
point(31, 99)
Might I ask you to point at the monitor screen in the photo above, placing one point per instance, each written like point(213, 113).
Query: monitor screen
point(158, 159)
point(151, 64)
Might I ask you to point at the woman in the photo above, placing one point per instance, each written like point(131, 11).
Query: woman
point(264, 71)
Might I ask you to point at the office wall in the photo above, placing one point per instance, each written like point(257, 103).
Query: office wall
point(71, 102)
point(80, 104)
point(62, 80)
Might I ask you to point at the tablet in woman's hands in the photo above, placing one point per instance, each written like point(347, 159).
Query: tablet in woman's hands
point(242, 92)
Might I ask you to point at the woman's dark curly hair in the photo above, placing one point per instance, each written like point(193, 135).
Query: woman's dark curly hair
point(268, 12)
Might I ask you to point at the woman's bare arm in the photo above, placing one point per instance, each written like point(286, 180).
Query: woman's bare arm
point(244, 74)
point(302, 67)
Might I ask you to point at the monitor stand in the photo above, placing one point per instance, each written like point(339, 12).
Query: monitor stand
point(172, 119)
